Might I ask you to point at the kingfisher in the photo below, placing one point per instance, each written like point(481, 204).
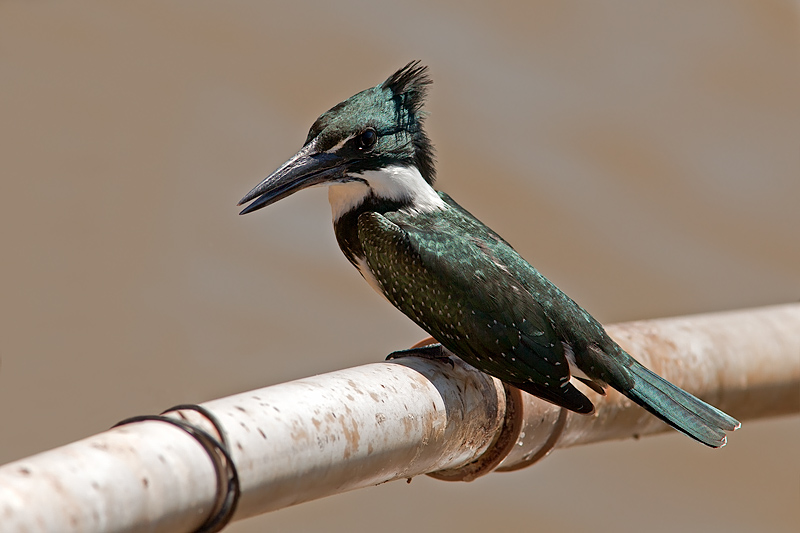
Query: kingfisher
point(450, 273)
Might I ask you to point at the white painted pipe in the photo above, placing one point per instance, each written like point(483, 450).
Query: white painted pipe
point(745, 362)
point(291, 443)
point(353, 428)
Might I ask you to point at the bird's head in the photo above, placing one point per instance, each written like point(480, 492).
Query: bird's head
point(357, 140)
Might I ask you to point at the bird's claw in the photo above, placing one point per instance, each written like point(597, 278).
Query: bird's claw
point(435, 352)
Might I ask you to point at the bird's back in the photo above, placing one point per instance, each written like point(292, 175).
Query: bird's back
point(455, 277)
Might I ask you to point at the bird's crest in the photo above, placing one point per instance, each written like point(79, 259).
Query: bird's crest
point(409, 87)
point(410, 84)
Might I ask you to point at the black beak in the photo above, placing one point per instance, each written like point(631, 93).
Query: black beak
point(305, 169)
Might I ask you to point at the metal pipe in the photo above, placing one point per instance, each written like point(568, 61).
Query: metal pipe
point(353, 428)
point(746, 363)
point(291, 443)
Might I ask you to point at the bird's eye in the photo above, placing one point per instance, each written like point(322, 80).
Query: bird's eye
point(368, 139)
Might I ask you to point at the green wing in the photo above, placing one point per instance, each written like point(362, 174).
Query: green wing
point(458, 290)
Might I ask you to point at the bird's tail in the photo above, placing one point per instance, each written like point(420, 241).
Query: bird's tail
point(678, 408)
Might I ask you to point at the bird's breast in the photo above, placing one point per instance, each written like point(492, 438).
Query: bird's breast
point(362, 266)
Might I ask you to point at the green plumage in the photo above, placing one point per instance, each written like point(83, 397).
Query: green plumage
point(480, 299)
point(454, 288)
point(453, 275)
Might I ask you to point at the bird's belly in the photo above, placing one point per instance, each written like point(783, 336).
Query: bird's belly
point(369, 277)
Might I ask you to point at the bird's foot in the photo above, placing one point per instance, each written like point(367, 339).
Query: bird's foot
point(431, 351)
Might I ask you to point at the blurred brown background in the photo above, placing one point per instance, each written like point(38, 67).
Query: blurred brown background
point(645, 157)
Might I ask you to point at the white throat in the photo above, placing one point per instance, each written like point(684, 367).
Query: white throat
point(392, 183)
